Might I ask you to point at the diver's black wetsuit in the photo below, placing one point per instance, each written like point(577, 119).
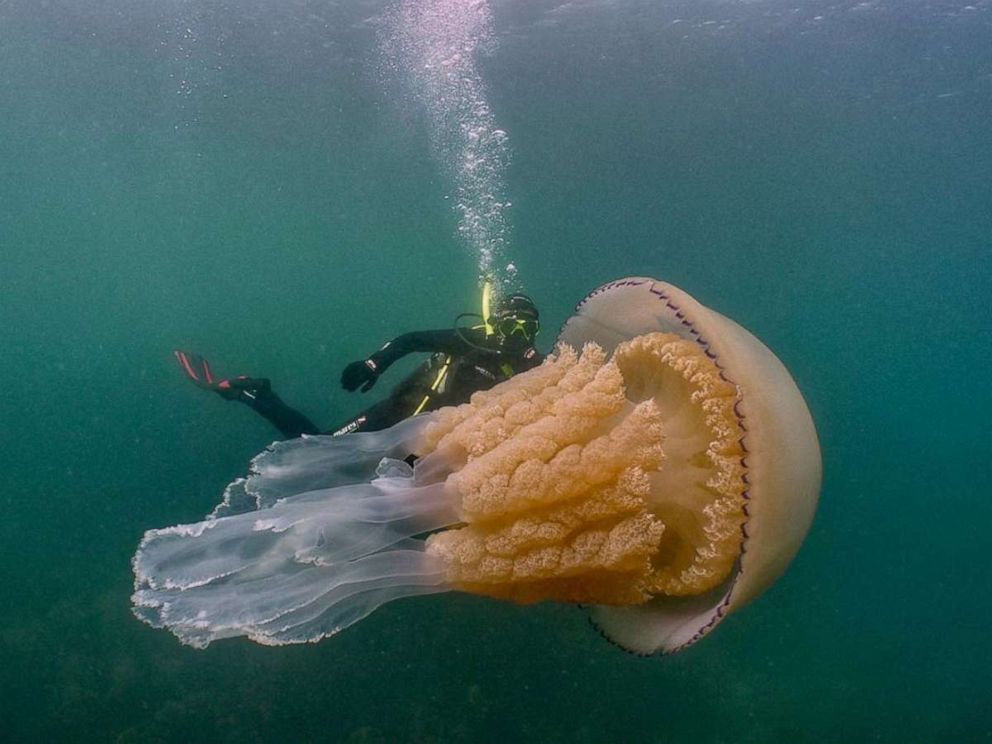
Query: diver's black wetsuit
point(462, 362)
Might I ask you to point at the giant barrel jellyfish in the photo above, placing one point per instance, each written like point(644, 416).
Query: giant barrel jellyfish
point(661, 468)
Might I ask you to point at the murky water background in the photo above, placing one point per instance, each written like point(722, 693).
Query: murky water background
point(253, 180)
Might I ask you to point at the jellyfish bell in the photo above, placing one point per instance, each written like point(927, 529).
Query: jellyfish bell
point(661, 468)
point(780, 454)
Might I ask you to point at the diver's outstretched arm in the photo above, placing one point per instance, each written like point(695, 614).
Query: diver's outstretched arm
point(365, 372)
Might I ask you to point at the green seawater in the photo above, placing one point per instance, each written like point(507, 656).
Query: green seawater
point(245, 179)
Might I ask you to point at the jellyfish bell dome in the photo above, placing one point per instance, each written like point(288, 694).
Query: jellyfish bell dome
point(661, 468)
point(779, 452)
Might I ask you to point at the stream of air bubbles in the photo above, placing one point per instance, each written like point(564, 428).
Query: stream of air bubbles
point(435, 46)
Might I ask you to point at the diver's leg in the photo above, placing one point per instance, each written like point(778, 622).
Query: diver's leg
point(290, 422)
point(382, 415)
point(255, 392)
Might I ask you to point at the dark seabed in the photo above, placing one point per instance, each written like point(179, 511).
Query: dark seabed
point(251, 180)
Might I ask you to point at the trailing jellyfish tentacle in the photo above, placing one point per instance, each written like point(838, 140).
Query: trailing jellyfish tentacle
point(307, 564)
point(312, 463)
point(295, 603)
point(319, 527)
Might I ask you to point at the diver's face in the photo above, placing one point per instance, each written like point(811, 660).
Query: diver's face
point(517, 333)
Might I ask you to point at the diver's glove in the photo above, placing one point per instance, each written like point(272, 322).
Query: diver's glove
point(362, 373)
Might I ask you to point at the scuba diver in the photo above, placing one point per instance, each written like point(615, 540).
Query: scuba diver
point(463, 360)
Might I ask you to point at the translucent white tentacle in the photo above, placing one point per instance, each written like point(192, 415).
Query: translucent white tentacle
point(313, 463)
point(290, 602)
point(324, 543)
